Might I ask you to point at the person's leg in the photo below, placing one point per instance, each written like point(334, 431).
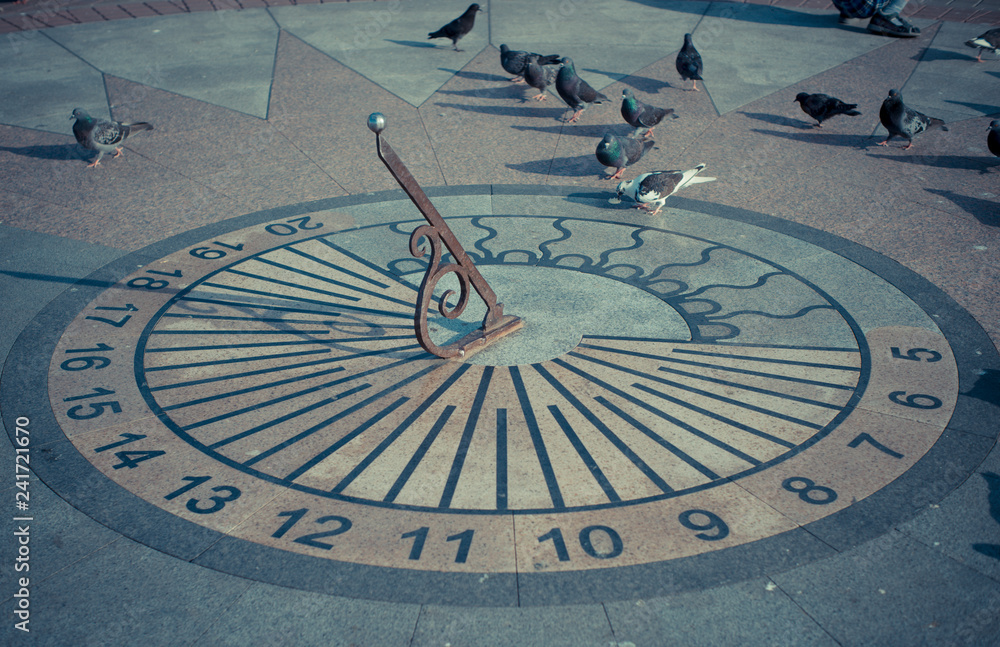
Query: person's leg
point(887, 22)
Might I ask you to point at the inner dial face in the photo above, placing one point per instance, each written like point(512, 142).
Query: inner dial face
point(668, 395)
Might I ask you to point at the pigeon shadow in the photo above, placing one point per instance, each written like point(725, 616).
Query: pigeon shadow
point(778, 120)
point(987, 389)
point(413, 43)
point(987, 110)
point(961, 162)
point(817, 136)
point(577, 130)
point(578, 166)
point(512, 111)
point(49, 152)
point(487, 93)
point(646, 84)
point(984, 211)
point(996, 74)
point(477, 76)
point(934, 54)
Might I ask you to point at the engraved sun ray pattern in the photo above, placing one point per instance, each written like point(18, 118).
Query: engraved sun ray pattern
point(299, 365)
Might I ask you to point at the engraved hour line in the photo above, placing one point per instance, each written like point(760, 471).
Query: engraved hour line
point(683, 425)
point(463, 444)
point(721, 367)
point(351, 255)
point(326, 279)
point(287, 367)
point(271, 344)
point(501, 459)
point(419, 454)
point(398, 431)
point(236, 360)
point(251, 389)
point(338, 306)
point(754, 389)
point(337, 268)
point(769, 360)
point(245, 305)
point(290, 396)
point(684, 456)
point(294, 474)
point(691, 389)
point(536, 438)
point(588, 459)
point(305, 288)
point(269, 424)
point(318, 458)
point(213, 331)
point(605, 430)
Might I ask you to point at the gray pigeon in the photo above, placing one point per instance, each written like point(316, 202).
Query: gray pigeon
point(822, 106)
point(620, 152)
point(902, 121)
point(576, 92)
point(656, 187)
point(102, 135)
point(688, 62)
point(641, 115)
point(516, 61)
point(458, 27)
point(990, 40)
point(540, 77)
point(993, 139)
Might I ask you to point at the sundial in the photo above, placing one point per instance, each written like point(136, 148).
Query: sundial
point(689, 399)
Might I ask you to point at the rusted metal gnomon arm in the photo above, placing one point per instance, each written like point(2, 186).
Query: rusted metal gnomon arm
point(495, 324)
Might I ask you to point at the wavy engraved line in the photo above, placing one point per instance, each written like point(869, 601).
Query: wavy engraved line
point(798, 314)
point(761, 281)
point(492, 233)
point(706, 256)
point(637, 242)
point(558, 226)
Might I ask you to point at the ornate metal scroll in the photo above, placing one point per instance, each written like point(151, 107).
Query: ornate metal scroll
point(495, 324)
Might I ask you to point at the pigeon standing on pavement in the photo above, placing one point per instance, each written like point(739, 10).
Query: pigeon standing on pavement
point(458, 27)
point(576, 92)
point(822, 106)
point(641, 115)
point(990, 40)
point(540, 77)
point(689, 62)
point(993, 139)
point(516, 61)
point(654, 188)
point(620, 152)
point(102, 135)
point(902, 121)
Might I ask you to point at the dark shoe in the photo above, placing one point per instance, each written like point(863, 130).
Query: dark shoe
point(848, 20)
point(893, 25)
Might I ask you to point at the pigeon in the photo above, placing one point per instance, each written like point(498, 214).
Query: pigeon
point(458, 27)
point(516, 61)
point(576, 92)
point(641, 115)
point(822, 106)
point(902, 121)
point(689, 62)
point(990, 40)
point(993, 139)
point(102, 135)
point(654, 188)
point(540, 77)
point(621, 152)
